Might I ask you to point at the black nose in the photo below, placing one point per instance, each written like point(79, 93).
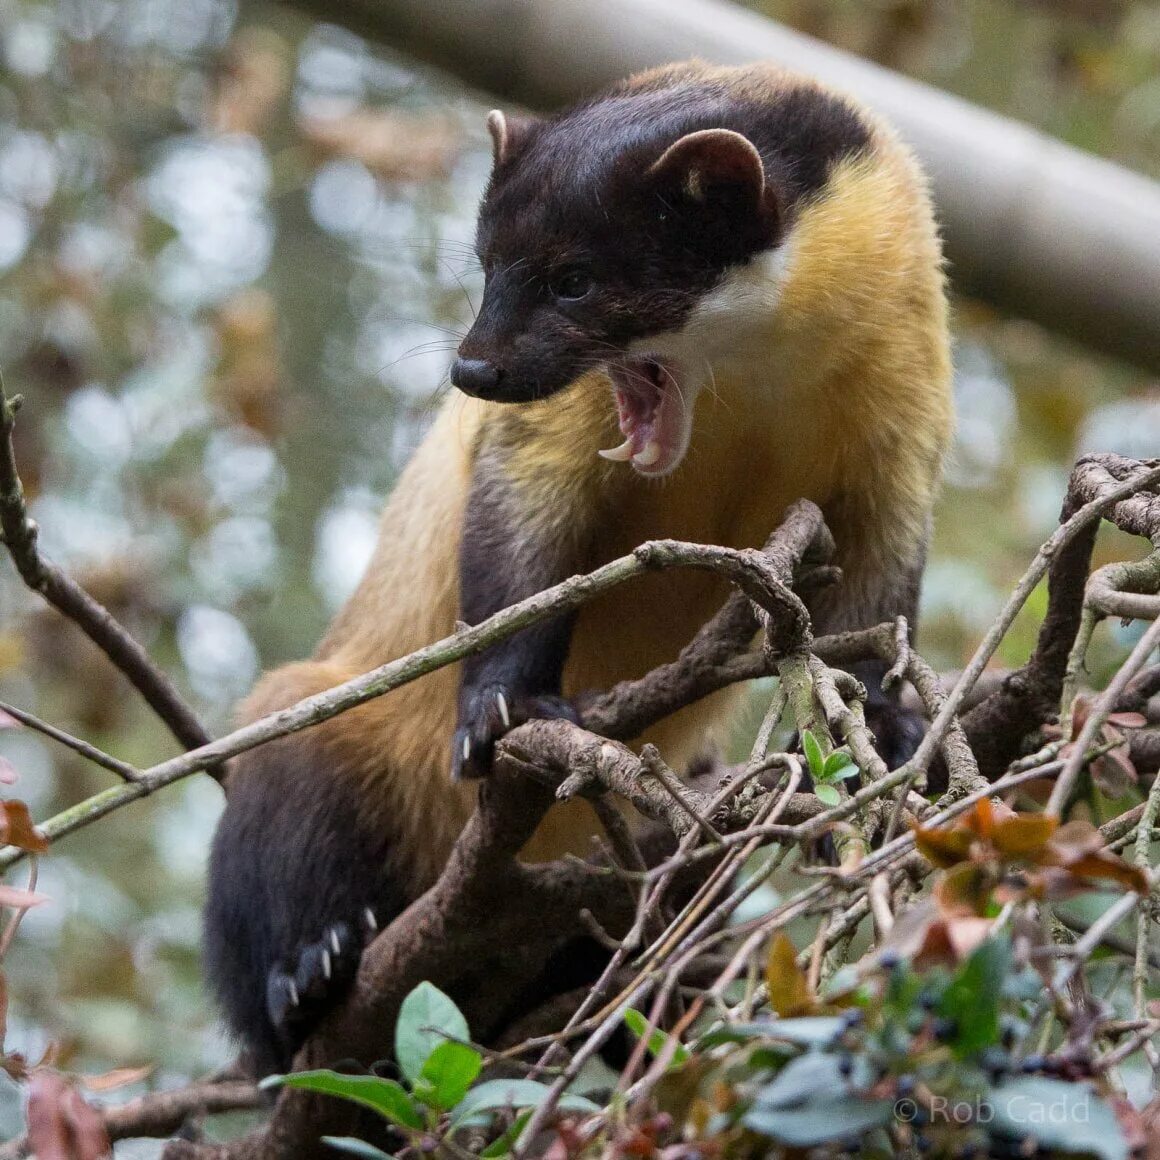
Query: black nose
point(476, 376)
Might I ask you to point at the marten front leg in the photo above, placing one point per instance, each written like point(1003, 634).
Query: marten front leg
point(510, 550)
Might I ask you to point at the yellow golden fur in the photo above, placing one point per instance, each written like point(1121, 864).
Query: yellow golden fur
point(841, 395)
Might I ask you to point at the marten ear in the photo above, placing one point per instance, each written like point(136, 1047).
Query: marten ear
point(507, 135)
point(712, 161)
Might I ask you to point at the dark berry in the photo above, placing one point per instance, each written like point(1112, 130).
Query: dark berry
point(945, 1029)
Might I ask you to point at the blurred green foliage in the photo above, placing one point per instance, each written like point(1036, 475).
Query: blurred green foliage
point(236, 251)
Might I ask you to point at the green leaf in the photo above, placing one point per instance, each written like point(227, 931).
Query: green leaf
point(828, 794)
point(657, 1039)
point(768, 1057)
point(447, 1074)
point(514, 1093)
point(384, 1096)
point(973, 996)
point(809, 1030)
point(356, 1147)
point(502, 1145)
point(803, 1078)
point(844, 981)
point(836, 766)
point(812, 748)
point(820, 1120)
point(1062, 1117)
point(813, 1100)
point(426, 1019)
point(804, 1030)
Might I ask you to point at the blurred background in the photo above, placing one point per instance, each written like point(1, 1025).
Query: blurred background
point(235, 248)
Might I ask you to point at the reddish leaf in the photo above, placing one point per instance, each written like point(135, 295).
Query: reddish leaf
point(1151, 1122)
point(1073, 840)
point(1023, 834)
point(1131, 1124)
point(986, 815)
point(117, 1078)
point(943, 848)
point(982, 818)
point(61, 1126)
point(963, 889)
point(934, 948)
point(16, 828)
point(14, 1066)
point(908, 935)
point(1058, 884)
point(789, 990)
point(967, 932)
point(7, 721)
point(1080, 708)
point(20, 899)
point(1114, 772)
point(1108, 866)
point(1128, 720)
point(8, 774)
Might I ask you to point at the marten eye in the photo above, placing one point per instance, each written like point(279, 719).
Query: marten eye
point(571, 285)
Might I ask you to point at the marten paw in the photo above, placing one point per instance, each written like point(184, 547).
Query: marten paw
point(486, 714)
point(301, 987)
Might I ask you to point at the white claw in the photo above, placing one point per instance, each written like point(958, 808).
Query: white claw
point(293, 993)
point(369, 918)
point(326, 964)
point(467, 749)
point(649, 456)
point(335, 943)
point(504, 715)
point(621, 454)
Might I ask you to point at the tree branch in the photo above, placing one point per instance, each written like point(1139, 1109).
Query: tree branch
point(21, 535)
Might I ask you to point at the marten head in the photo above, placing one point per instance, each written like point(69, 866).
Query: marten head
point(610, 238)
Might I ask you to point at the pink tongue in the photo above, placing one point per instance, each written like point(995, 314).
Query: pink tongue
point(649, 415)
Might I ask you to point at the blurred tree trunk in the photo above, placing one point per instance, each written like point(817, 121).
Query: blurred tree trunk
point(1032, 225)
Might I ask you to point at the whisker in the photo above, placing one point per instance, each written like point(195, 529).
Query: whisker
point(422, 348)
point(453, 331)
point(466, 296)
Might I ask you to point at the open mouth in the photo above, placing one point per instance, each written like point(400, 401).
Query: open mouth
point(653, 413)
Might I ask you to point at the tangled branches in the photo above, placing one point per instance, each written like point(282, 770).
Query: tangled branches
point(676, 924)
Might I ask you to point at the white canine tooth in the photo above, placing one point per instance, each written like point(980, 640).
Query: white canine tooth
point(621, 454)
point(649, 456)
point(369, 918)
point(293, 993)
point(467, 749)
point(504, 715)
point(335, 944)
point(326, 964)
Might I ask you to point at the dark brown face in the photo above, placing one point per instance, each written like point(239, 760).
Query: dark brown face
point(603, 227)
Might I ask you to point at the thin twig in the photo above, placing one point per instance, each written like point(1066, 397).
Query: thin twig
point(1067, 531)
point(21, 536)
point(1106, 704)
point(97, 756)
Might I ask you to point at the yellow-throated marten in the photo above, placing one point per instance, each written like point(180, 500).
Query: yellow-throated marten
point(709, 291)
